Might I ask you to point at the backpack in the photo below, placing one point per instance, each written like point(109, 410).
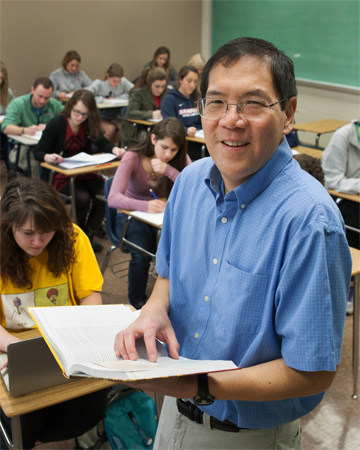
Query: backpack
point(129, 422)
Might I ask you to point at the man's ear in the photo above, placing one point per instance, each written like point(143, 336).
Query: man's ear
point(32, 89)
point(289, 114)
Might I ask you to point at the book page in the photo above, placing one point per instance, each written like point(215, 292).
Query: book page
point(81, 334)
point(200, 134)
point(36, 136)
point(83, 159)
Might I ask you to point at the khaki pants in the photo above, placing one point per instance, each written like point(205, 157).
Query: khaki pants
point(23, 160)
point(177, 432)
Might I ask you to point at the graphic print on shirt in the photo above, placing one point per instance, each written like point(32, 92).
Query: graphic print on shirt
point(15, 305)
point(187, 112)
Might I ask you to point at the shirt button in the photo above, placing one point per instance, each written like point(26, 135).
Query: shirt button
point(206, 298)
point(215, 261)
point(224, 220)
point(196, 335)
point(242, 205)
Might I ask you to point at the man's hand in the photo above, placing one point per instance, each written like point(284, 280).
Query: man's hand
point(158, 166)
point(41, 127)
point(31, 130)
point(152, 323)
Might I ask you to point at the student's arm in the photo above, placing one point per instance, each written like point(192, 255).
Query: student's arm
point(5, 339)
point(47, 148)
point(56, 91)
point(168, 107)
point(127, 86)
point(117, 198)
point(94, 88)
point(85, 80)
point(136, 104)
point(92, 299)
point(334, 162)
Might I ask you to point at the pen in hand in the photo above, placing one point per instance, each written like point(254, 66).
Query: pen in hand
point(153, 194)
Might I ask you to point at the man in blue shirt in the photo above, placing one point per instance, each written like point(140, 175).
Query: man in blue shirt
point(253, 267)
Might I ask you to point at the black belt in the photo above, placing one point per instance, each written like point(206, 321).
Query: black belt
point(193, 413)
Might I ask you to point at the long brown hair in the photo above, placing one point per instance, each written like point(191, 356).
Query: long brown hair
point(92, 123)
point(37, 201)
point(172, 128)
point(162, 51)
point(70, 55)
point(148, 76)
point(4, 89)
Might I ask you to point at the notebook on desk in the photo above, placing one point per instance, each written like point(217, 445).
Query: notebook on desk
point(31, 367)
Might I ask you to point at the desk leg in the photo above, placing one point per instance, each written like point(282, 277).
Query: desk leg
point(16, 442)
point(317, 140)
point(356, 334)
point(73, 201)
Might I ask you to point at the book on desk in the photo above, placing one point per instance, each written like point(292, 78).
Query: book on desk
point(82, 342)
point(83, 159)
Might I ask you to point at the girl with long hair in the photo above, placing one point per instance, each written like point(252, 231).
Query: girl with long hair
point(144, 102)
point(153, 164)
point(42, 252)
point(75, 130)
point(113, 86)
point(6, 94)
point(161, 58)
point(68, 78)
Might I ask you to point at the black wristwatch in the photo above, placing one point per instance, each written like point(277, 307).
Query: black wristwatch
point(203, 397)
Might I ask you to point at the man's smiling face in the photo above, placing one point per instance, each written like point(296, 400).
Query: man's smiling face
point(241, 147)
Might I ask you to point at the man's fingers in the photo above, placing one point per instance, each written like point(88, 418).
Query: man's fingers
point(150, 343)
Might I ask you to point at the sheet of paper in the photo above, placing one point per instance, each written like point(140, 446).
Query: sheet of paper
point(84, 159)
point(153, 218)
point(117, 101)
point(155, 120)
point(36, 136)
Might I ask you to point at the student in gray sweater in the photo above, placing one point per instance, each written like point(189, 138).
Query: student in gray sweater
point(68, 78)
point(114, 86)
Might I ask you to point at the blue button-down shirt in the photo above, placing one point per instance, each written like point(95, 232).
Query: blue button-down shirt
point(258, 274)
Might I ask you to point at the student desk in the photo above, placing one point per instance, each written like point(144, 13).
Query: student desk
point(352, 197)
point(148, 123)
point(123, 239)
point(14, 407)
point(308, 151)
point(107, 105)
point(73, 173)
point(29, 142)
point(355, 254)
point(199, 141)
point(320, 127)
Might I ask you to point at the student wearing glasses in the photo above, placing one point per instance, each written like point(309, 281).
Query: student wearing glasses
point(75, 131)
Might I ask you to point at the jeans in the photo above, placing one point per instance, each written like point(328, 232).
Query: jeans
point(143, 235)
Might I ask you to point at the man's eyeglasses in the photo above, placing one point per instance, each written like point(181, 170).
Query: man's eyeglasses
point(249, 109)
point(79, 113)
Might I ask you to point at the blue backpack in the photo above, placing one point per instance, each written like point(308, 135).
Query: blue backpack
point(129, 422)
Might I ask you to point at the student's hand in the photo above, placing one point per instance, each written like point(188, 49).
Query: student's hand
point(156, 206)
point(3, 364)
point(41, 127)
point(62, 95)
point(191, 131)
point(157, 114)
point(158, 166)
point(152, 322)
point(53, 158)
point(31, 130)
point(119, 152)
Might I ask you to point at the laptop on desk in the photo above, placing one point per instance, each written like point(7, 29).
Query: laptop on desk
point(31, 367)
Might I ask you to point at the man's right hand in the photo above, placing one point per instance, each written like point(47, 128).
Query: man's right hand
point(31, 130)
point(152, 323)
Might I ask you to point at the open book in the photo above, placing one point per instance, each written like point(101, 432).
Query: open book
point(82, 340)
point(83, 159)
point(37, 136)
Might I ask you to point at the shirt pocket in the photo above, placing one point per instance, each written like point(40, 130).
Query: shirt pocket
point(245, 299)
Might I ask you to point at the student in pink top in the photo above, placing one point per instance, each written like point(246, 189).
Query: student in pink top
point(154, 163)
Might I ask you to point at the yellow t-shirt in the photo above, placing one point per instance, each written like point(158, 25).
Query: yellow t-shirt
point(80, 280)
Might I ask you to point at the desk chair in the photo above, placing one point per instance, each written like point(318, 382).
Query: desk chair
point(111, 232)
point(13, 168)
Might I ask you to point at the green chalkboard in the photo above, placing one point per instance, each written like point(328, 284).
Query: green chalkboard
point(321, 37)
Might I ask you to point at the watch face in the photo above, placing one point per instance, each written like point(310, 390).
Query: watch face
point(204, 401)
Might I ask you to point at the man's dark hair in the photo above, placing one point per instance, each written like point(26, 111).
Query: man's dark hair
point(44, 81)
point(281, 66)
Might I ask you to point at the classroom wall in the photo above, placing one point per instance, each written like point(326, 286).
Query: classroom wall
point(35, 35)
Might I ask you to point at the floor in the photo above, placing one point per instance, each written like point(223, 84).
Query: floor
point(333, 425)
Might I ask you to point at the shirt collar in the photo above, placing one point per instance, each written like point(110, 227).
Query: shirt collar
point(255, 185)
